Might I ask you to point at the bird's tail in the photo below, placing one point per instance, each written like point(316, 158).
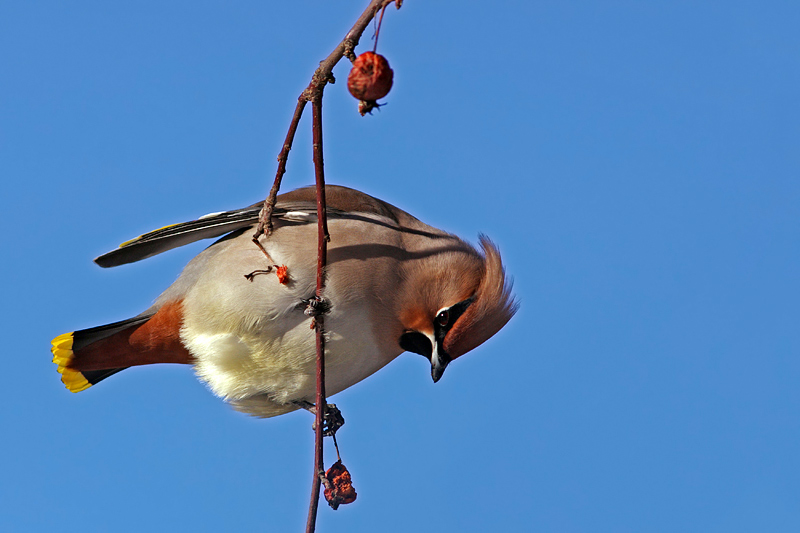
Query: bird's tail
point(89, 356)
point(68, 348)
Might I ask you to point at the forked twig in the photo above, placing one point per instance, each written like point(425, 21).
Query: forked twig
point(313, 93)
point(322, 76)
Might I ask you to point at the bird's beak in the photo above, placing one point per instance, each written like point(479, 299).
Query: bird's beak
point(439, 361)
point(427, 346)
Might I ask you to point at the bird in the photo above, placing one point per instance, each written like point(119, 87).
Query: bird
point(236, 313)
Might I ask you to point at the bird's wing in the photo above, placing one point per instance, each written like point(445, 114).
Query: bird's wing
point(174, 235)
point(297, 206)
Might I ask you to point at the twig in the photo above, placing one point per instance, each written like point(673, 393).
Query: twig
point(313, 93)
point(322, 76)
point(322, 257)
point(378, 29)
point(265, 217)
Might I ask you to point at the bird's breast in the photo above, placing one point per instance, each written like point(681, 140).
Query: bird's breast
point(251, 339)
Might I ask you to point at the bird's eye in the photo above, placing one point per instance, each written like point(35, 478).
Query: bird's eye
point(443, 318)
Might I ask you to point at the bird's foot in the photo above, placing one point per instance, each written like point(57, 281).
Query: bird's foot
point(332, 418)
point(315, 306)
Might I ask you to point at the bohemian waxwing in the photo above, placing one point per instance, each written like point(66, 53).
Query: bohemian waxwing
point(393, 284)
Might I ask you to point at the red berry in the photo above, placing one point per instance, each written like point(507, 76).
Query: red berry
point(341, 491)
point(370, 78)
point(283, 274)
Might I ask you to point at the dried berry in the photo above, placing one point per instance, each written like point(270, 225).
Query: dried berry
point(283, 274)
point(341, 489)
point(370, 78)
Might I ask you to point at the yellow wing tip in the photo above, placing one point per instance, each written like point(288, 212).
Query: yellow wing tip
point(126, 243)
point(140, 237)
point(62, 355)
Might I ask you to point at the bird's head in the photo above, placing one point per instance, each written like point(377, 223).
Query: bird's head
point(454, 302)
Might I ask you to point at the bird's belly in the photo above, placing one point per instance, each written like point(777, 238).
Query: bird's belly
point(264, 372)
point(251, 341)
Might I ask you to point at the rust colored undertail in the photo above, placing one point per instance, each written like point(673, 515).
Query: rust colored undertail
point(88, 356)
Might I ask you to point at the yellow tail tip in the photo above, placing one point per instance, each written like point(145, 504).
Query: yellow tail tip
point(62, 355)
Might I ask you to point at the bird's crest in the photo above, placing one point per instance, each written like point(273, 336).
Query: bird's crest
point(492, 307)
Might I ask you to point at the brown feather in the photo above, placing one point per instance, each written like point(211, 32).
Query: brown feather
point(492, 308)
point(155, 341)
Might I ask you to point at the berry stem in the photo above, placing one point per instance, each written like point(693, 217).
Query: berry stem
point(378, 30)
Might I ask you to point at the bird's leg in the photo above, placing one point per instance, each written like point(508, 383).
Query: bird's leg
point(332, 417)
point(314, 307)
point(333, 420)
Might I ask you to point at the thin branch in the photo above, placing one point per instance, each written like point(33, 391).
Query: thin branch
point(322, 257)
point(378, 29)
point(322, 76)
point(313, 93)
point(265, 217)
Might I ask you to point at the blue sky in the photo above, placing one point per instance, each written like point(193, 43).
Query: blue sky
point(637, 163)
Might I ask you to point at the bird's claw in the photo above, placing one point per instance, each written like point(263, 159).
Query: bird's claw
point(315, 306)
point(332, 420)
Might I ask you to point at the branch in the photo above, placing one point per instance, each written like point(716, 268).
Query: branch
point(322, 76)
point(313, 93)
point(319, 320)
point(265, 216)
